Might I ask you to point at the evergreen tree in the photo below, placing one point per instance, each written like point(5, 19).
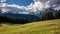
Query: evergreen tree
point(47, 16)
point(57, 15)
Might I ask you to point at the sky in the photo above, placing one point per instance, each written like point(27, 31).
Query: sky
point(34, 6)
point(19, 2)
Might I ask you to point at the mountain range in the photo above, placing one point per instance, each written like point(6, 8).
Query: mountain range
point(16, 12)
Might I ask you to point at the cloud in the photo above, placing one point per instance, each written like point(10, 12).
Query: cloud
point(40, 5)
point(33, 8)
point(2, 0)
point(6, 8)
point(52, 3)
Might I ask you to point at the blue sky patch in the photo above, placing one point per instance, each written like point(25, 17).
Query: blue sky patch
point(19, 2)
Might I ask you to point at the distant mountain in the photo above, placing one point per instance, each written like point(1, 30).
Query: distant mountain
point(20, 16)
point(30, 16)
point(17, 13)
point(12, 11)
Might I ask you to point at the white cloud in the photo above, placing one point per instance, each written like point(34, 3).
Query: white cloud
point(12, 8)
point(2, 0)
point(51, 2)
point(40, 5)
point(36, 7)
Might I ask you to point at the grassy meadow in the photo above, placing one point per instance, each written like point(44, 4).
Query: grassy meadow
point(41, 27)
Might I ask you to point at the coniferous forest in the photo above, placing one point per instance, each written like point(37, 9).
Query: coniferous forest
point(49, 15)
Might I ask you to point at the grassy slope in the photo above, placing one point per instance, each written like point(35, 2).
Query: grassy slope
point(42, 27)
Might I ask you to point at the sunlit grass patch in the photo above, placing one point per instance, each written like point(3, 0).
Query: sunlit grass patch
point(42, 27)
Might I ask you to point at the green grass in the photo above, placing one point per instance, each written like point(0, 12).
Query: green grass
point(41, 27)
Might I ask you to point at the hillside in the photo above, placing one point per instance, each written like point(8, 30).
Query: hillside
point(42, 27)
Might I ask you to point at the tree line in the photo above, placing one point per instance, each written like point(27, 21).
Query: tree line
point(51, 15)
point(46, 16)
point(4, 19)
